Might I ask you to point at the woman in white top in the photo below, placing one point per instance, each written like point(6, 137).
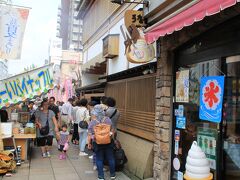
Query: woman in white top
point(82, 115)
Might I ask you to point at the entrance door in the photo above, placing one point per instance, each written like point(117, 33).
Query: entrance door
point(231, 120)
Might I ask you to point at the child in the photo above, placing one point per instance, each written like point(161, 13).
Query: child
point(63, 142)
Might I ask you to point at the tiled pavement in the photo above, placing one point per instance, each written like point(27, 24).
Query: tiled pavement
point(73, 168)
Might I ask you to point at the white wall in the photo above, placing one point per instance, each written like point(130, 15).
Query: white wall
point(119, 63)
point(93, 50)
point(88, 79)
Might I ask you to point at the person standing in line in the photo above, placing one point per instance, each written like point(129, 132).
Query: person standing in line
point(44, 118)
point(66, 113)
point(31, 112)
point(91, 105)
point(60, 106)
point(82, 115)
point(112, 112)
point(54, 108)
point(75, 136)
point(103, 102)
point(102, 150)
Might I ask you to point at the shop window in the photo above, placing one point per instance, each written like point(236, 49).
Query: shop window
point(231, 120)
point(219, 141)
point(204, 132)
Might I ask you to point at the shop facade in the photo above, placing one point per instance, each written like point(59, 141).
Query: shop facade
point(205, 49)
point(107, 71)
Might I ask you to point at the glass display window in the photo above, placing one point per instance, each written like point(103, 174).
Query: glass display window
point(187, 125)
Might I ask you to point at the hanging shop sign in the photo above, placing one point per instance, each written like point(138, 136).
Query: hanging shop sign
point(12, 26)
point(27, 85)
point(207, 141)
point(211, 98)
point(136, 48)
point(134, 17)
point(182, 86)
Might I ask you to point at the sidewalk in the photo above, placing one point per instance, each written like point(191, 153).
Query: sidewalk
point(73, 168)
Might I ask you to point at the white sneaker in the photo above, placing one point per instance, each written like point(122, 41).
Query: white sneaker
point(83, 154)
point(113, 177)
point(44, 155)
point(94, 167)
point(105, 169)
point(90, 157)
point(48, 154)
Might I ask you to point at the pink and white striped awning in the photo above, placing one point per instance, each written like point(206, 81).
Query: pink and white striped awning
point(195, 13)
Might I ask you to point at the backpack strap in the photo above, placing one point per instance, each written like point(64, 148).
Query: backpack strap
point(113, 114)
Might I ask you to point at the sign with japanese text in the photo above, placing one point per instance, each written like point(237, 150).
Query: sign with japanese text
point(182, 86)
point(27, 85)
point(12, 26)
point(68, 89)
point(211, 98)
point(134, 17)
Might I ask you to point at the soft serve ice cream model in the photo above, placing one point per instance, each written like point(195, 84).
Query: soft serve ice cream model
point(197, 165)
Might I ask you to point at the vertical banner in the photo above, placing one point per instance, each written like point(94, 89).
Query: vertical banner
point(182, 86)
point(12, 26)
point(211, 98)
point(27, 85)
point(68, 88)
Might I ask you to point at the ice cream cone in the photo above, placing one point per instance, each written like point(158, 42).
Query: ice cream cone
point(210, 177)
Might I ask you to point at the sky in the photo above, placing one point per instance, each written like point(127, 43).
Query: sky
point(40, 28)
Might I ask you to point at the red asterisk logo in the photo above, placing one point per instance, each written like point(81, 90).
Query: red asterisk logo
point(211, 94)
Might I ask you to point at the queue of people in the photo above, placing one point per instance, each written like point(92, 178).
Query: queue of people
point(91, 124)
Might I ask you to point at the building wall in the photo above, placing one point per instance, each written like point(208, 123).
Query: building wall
point(164, 88)
point(3, 69)
point(68, 27)
point(74, 28)
point(136, 147)
point(97, 15)
point(64, 23)
point(88, 79)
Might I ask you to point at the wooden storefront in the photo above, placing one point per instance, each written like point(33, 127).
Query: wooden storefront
point(135, 99)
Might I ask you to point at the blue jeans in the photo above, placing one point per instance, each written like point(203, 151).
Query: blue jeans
point(102, 152)
point(82, 139)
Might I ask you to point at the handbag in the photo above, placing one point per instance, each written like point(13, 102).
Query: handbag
point(83, 124)
point(45, 130)
point(66, 146)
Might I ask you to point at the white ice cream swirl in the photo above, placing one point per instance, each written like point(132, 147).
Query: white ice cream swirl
point(197, 165)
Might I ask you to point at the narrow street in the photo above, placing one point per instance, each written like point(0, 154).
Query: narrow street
point(73, 168)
